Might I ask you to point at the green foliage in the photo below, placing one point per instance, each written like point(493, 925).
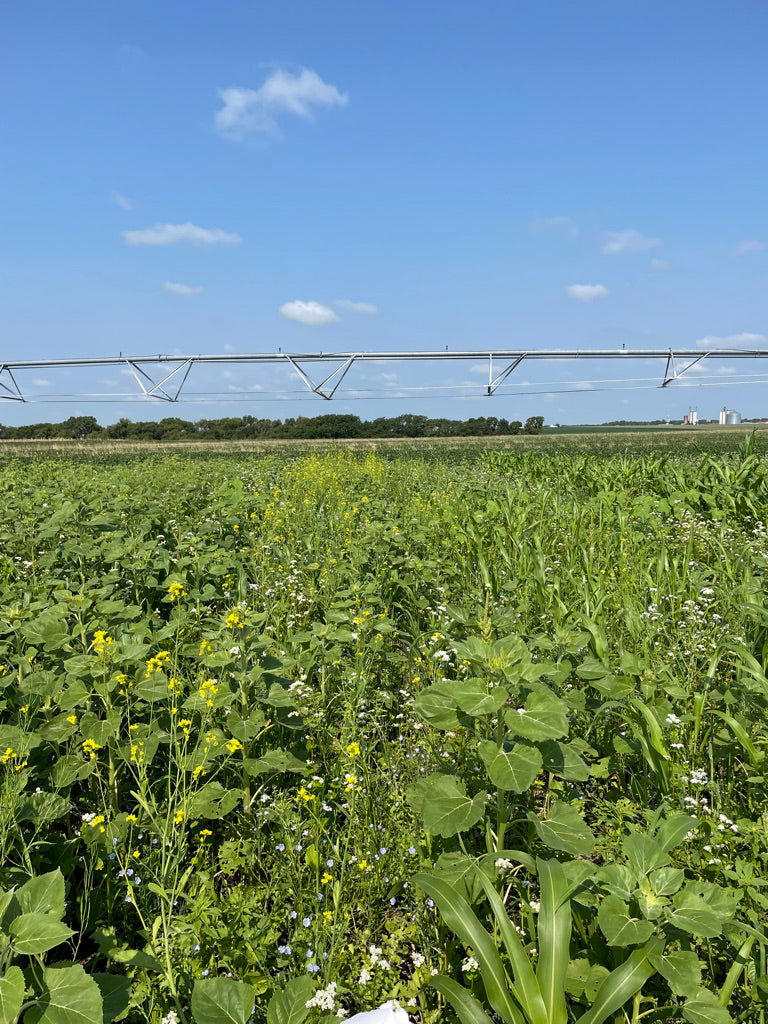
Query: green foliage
point(243, 701)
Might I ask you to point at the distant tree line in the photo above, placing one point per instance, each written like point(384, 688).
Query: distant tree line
point(301, 428)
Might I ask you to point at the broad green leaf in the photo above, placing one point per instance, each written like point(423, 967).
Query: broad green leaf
point(619, 927)
point(565, 830)
point(584, 979)
point(437, 705)
point(222, 1001)
point(444, 805)
point(70, 769)
point(666, 881)
point(115, 994)
point(515, 769)
point(543, 717)
point(43, 894)
point(288, 1005)
point(681, 970)
point(69, 997)
point(275, 760)
point(36, 933)
point(618, 879)
point(563, 760)
point(43, 807)
point(693, 914)
point(134, 958)
point(11, 995)
point(622, 983)
point(643, 853)
point(461, 919)
point(473, 697)
point(466, 1007)
point(705, 1008)
point(674, 829)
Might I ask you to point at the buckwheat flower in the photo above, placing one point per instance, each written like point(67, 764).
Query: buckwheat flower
point(673, 720)
point(699, 777)
point(470, 964)
point(418, 959)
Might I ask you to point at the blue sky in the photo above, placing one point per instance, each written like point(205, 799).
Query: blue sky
point(242, 176)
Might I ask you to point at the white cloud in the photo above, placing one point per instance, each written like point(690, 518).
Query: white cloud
point(256, 110)
point(562, 226)
point(586, 292)
point(41, 383)
point(121, 201)
point(171, 234)
point(357, 307)
point(659, 266)
point(745, 340)
point(749, 245)
point(627, 241)
point(181, 289)
point(310, 313)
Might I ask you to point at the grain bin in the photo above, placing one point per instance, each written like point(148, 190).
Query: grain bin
point(732, 418)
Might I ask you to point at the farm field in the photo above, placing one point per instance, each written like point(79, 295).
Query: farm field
point(290, 730)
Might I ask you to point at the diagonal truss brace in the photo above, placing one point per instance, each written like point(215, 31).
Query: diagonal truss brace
point(498, 380)
point(157, 389)
point(12, 392)
point(675, 374)
point(319, 389)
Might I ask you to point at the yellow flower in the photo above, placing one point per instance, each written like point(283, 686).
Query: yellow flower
point(353, 749)
point(7, 756)
point(176, 590)
point(351, 780)
point(131, 819)
point(24, 709)
point(205, 648)
point(327, 915)
point(234, 745)
point(178, 817)
point(101, 641)
point(233, 620)
point(364, 866)
point(326, 878)
point(197, 772)
point(72, 719)
point(136, 854)
point(90, 747)
point(304, 795)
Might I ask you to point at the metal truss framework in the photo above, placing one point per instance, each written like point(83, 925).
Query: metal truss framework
point(162, 377)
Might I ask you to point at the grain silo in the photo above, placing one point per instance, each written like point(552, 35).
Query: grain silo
point(732, 418)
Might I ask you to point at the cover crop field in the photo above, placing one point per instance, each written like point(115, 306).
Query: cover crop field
point(285, 735)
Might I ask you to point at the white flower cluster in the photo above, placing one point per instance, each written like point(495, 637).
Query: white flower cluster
point(324, 998)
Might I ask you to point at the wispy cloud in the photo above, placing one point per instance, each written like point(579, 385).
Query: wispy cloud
point(616, 242)
point(257, 110)
point(182, 289)
point(121, 201)
point(41, 383)
point(173, 234)
point(749, 245)
point(586, 292)
point(312, 314)
point(659, 266)
point(562, 226)
point(356, 307)
point(745, 340)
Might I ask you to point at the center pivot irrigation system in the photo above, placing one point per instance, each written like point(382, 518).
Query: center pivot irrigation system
point(162, 377)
